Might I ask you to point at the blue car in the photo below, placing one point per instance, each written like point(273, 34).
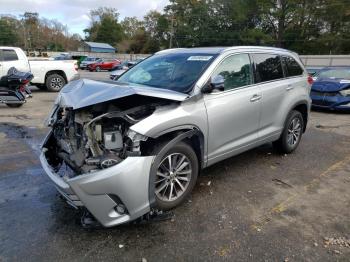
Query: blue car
point(331, 89)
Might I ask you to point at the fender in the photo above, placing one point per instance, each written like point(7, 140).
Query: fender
point(162, 153)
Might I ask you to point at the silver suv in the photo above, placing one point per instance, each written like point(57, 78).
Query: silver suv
point(122, 150)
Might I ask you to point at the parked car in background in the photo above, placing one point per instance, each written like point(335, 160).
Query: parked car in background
point(87, 61)
point(64, 56)
point(123, 67)
point(139, 145)
point(313, 70)
point(331, 89)
point(48, 74)
point(103, 64)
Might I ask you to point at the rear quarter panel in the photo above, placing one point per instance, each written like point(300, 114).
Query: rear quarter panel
point(40, 68)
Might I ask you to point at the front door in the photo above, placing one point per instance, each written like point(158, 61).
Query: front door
point(233, 114)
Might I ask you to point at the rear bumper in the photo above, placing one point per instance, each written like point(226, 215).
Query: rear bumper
point(74, 77)
point(128, 181)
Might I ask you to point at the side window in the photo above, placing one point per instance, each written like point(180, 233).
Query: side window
point(9, 55)
point(1, 55)
point(236, 71)
point(292, 67)
point(268, 67)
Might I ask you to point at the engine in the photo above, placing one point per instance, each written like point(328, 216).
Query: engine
point(95, 138)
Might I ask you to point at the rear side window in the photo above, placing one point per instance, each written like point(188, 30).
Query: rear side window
point(292, 67)
point(9, 55)
point(268, 67)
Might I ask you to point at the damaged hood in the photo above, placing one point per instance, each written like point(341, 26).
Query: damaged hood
point(83, 93)
point(330, 85)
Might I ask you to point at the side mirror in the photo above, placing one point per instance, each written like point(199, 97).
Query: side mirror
point(216, 83)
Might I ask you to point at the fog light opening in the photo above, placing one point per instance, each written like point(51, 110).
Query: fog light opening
point(120, 208)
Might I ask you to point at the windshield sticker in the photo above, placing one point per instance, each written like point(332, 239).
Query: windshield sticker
point(199, 58)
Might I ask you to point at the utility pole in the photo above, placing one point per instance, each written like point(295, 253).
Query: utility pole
point(171, 31)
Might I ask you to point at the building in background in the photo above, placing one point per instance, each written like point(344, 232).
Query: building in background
point(94, 47)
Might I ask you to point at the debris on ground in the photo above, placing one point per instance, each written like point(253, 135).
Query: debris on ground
point(143, 260)
point(209, 183)
point(281, 183)
point(155, 216)
point(121, 246)
point(337, 252)
point(332, 241)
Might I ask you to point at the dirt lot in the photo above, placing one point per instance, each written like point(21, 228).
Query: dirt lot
point(258, 206)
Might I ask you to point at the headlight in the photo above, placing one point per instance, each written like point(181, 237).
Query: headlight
point(345, 92)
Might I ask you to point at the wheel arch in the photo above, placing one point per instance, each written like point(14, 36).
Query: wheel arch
point(59, 72)
point(193, 136)
point(303, 108)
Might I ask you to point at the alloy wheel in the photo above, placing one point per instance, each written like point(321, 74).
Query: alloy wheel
point(56, 83)
point(294, 132)
point(173, 177)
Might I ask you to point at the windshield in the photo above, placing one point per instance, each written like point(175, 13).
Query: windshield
point(343, 73)
point(177, 72)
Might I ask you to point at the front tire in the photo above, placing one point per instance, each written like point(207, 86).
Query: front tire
point(55, 82)
point(176, 175)
point(292, 133)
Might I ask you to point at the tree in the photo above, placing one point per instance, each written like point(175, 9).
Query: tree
point(104, 26)
point(130, 26)
point(8, 34)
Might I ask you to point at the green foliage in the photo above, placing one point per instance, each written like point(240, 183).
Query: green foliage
point(8, 33)
point(305, 26)
point(104, 27)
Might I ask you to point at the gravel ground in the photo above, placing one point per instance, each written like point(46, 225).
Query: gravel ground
point(258, 206)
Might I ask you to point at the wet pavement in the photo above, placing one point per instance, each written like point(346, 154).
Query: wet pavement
point(258, 206)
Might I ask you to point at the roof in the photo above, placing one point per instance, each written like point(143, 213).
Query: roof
point(99, 45)
point(219, 50)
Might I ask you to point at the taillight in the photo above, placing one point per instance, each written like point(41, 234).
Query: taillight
point(310, 80)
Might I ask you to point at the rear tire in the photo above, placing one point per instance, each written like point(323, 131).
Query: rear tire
point(292, 133)
point(98, 69)
point(14, 105)
point(55, 82)
point(173, 185)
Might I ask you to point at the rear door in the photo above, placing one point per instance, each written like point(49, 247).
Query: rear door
point(269, 75)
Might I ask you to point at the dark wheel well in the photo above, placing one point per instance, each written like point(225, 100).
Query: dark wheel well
point(302, 108)
point(59, 72)
point(196, 141)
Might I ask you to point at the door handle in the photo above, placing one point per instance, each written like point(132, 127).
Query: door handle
point(289, 87)
point(255, 98)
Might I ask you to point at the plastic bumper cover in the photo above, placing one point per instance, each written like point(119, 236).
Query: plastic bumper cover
point(129, 180)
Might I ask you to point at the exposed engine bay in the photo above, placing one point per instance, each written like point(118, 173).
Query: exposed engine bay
point(98, 136)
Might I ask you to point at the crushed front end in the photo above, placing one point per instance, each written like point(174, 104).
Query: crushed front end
point(95, 161)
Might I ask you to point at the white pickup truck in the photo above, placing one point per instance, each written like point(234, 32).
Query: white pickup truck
point(48, 74)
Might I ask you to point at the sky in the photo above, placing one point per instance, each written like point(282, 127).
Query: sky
point(74, 13)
